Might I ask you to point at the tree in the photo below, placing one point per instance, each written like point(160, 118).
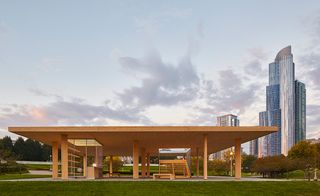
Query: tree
point(19, 148)
point(304, 153)
point(46, 152)
point(218, 167)
point(33, 151)
point(6, 149)
point(317, 146)
point(247, 162)
point(117, 163)
point(7, 144)
point(273, 166)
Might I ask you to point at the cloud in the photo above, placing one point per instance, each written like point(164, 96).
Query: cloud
point(255, 65)
point(258, 53)
point(42, 93)
point(313, 119)
point(74, 112)
point(164, 83)
point(231, 95)
point(254, 68)
point(310, 69)
point(309, 73)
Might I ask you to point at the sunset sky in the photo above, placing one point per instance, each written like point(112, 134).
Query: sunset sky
point(150, 62)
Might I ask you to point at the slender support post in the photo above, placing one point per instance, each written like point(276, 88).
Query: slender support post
point(110, 165)
point(143, 162)
point(85, 165)
point(197, 163)
point(64, 157)
point(96, 158)
point(238, 159)
point(148, 164)
point(205, 157)
point(55, 152)
point(135, 157)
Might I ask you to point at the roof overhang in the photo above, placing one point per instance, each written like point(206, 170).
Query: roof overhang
point(118, 140)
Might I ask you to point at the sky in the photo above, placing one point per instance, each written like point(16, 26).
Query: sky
point(150, 62)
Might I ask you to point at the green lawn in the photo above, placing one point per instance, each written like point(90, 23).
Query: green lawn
point(37, 166)
point(159, 188)
point(21, 176)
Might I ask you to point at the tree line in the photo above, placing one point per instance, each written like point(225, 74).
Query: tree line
point(303, 156)
point(26, 150)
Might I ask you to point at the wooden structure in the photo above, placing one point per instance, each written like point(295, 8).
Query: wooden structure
point(178, 168)
point(143, 141)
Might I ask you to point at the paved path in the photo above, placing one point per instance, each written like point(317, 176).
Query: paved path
point(40, 172)
point(193, 179)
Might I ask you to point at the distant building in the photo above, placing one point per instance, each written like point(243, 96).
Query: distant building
point(285, 108)
point(225, 120)
point(228, 120)
point(300, 111)
point(253, 149)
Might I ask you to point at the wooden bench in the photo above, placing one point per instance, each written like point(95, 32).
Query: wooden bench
point(170, 176)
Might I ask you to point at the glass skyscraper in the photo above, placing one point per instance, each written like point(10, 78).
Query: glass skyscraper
point(300, 111)
point(285, 108)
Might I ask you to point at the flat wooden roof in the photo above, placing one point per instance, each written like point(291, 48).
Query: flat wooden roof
point(118, 140)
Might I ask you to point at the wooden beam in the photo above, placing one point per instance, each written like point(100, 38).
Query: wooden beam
point(135, 156)
point(55, 161)
point(64, 157)
point(205, 157)
point(238, 159)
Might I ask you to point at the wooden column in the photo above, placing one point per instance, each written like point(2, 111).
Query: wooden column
point(55, 161)
point(197, 163)
point(85, 165)
point(110, 165)
point(135, 156)
point(148, 164)
point(64, 157)
point(143, 162)
point(238, 159)
point(205, 157)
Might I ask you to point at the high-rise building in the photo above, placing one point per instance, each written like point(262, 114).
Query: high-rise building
point(285, 107)
point(228, 120)
point(300, 111)
point(225, 120)
point(254, 147)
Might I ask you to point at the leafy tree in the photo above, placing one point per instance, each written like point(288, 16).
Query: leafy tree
point(33, 151)
point(218, 167)
point(28, 150)
point(247, 162)
point(117, 163)
point(19, 148)
point(46, 152)
point(304, 153)
point(273, 166)
point(317, 146)
point(7, 144)
point(6, 147)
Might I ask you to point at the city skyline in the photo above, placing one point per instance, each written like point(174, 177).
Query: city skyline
point(131, 63)
point(285, 108)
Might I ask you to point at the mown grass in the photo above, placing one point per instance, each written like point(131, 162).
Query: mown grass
point(37, 166)
point(22, 176)
point(159, 188)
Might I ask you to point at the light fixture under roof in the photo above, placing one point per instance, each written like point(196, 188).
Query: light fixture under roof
point(84, 142)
